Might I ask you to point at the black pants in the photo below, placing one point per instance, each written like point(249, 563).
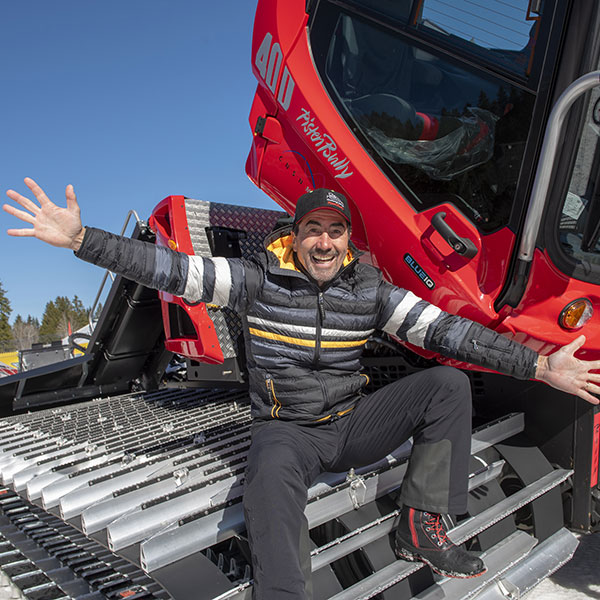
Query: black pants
point(432, 406)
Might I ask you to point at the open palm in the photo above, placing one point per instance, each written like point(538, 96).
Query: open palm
point(52, 224)
point(569, 374)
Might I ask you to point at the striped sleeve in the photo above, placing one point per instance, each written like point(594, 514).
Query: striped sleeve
point(408, 317)
point(219, 281)
point(143, 262)
point(422, 324)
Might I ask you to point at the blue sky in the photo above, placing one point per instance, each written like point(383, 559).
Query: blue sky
point(130, 101)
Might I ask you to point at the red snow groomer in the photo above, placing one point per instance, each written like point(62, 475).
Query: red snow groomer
point(467, 146)
point(465, 136)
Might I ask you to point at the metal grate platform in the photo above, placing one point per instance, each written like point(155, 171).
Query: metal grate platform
point(140, 494)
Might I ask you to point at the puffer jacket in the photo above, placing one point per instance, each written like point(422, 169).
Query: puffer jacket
point(303, 342)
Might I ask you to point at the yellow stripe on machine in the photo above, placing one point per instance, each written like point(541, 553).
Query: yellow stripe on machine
point(9, 358)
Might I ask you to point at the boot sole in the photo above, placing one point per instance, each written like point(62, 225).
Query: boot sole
point(405, 554)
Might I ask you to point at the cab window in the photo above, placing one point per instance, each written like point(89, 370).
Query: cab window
point(579, 223)
point(441, 130)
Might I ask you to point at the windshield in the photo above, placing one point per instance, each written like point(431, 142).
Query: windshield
point(432, 123)
point(500, 32)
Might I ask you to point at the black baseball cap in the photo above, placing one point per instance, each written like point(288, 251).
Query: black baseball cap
point(321, 199)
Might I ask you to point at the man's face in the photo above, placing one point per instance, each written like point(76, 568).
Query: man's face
point(321, 244)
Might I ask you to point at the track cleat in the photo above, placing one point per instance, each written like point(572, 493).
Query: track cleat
point(421, 536)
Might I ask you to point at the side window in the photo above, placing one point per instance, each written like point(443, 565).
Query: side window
point(579, 225)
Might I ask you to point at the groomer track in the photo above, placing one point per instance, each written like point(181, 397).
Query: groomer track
point(139, 496)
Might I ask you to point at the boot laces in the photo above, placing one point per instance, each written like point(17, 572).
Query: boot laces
point(433, 523)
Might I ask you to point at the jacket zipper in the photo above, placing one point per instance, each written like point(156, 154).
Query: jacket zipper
point(276, 404)
point(479, 346)
point(320, 319)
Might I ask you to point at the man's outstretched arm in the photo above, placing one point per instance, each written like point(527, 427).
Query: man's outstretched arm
point(153, 266)
point(52, 224)
point(219, 281)
point(418, 322)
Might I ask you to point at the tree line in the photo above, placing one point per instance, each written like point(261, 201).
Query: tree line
point(61, 316)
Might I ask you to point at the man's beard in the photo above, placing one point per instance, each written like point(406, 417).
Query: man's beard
point(325, 273)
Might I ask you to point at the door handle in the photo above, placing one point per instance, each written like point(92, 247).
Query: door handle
point(463, 246)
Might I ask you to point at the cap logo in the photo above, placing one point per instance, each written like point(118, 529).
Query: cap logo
point(333, 199)
point(321, 198)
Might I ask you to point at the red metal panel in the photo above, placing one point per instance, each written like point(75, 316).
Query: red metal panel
point(535, 321)
point(169, 221)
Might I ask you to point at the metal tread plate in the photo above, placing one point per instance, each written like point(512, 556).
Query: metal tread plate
point(178, 457)
point(127, 464)
point(46, 559)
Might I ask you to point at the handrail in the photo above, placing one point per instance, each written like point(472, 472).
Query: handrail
point(546, 162)
point(108, 273)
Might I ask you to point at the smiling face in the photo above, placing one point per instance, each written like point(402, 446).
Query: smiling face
point(321, 244)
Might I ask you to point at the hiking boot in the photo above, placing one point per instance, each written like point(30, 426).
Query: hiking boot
point(422, 536)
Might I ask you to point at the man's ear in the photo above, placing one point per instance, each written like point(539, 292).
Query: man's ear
point(294, 241)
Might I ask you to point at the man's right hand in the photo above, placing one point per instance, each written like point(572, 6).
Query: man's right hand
point(51, 223)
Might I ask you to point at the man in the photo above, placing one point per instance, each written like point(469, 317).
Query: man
point(308, 308)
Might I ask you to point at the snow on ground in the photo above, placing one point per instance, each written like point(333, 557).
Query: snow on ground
point(579, 579)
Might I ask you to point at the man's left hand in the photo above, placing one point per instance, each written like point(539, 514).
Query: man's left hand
point(564, 372)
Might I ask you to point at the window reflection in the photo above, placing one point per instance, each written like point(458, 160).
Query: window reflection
point(502, 31)
point(437, 125)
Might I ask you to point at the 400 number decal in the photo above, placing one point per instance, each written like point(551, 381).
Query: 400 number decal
point(268, 61)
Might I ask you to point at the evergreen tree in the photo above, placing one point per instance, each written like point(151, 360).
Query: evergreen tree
point(484, 101)
point(17, 332)
point(33, 330)
point(60, 316)
point(64, 307)
point(49, 322)
point(79, 314)
point(6, 338)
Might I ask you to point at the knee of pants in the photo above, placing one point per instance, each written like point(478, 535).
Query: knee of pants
point(451, 391)
point(449, 377)
point(275, 476)
point(451, 380)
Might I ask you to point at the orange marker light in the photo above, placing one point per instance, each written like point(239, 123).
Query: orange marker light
point(172, 244)
point(576, 314)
